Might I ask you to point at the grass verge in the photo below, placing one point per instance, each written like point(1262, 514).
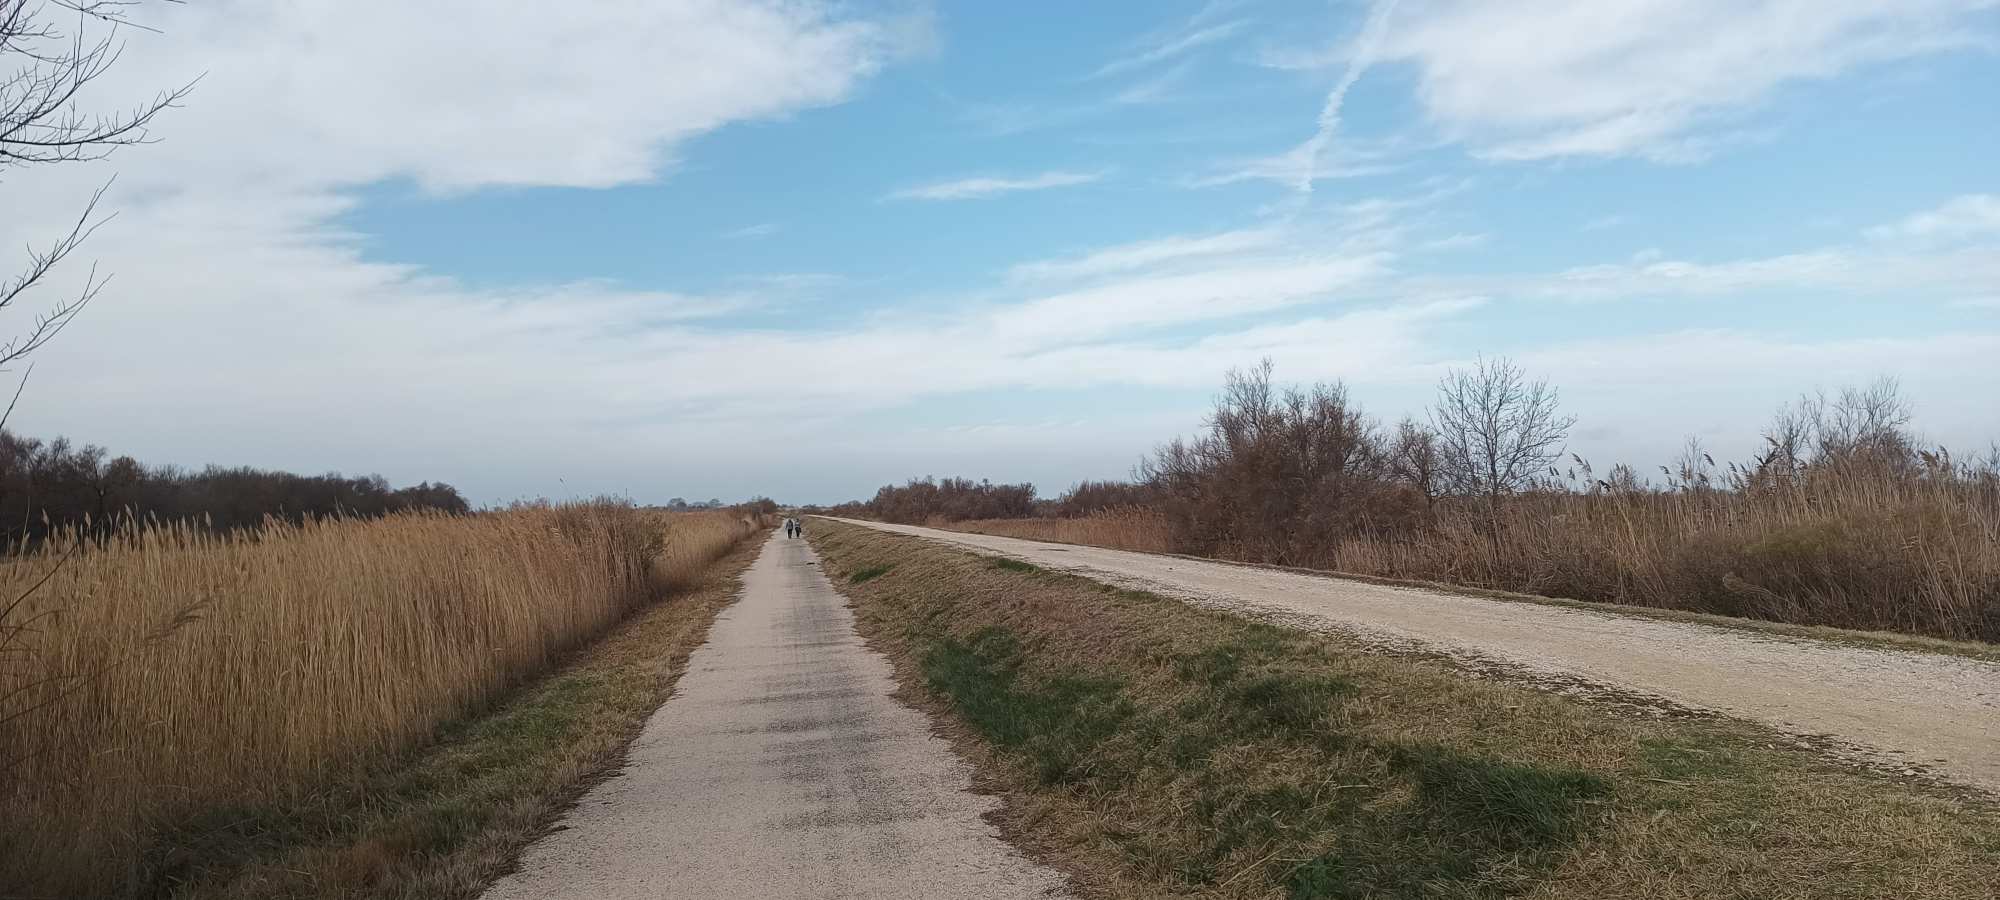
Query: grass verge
point(1155, 749)
point(447, 821)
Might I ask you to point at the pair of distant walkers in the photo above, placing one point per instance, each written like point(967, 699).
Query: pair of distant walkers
point(794, 528)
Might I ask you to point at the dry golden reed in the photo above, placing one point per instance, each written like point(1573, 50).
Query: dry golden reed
point(1913, 551)
point(170, 673)
point(1120, 529)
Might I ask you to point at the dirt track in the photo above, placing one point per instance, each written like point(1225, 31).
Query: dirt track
point(782, 768)
point(1903, 708)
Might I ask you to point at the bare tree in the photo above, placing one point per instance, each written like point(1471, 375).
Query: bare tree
point(44, 75)
point(1496, 432)
point(45, 71)
point(1413, 457)
point(1858, 426)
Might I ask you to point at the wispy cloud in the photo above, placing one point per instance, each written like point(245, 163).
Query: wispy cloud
point(759, 230)
point(1605, 223)
point(1647, 78)
point(1153, 301)
point(1155, 89)
point(1140, 254)
point(1366, 47)
point(1460, 241)
point(1842, 270)
point(985, 186)
point(1173, 47)
point(1347, 159)
point(1318, 157)
point(1965, 216)
point(1297, 59)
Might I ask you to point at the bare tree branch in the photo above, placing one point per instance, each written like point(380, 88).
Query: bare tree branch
point(1497, 432)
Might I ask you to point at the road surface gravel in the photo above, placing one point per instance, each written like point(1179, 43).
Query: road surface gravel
point(782, 768)
point(1909, 710)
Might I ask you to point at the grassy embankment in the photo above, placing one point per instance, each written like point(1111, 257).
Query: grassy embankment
point(335, 709)
point(1156, 749)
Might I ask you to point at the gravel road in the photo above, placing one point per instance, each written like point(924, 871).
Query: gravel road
point(1904, 709)
point(782, 768)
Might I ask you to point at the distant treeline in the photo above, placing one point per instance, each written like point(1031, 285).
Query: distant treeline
point(47, 485)
point(922, 500)
point(951, 499)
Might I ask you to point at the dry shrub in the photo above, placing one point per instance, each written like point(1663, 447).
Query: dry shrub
point(1144, 530)
point(928, 499)
point(169, 675)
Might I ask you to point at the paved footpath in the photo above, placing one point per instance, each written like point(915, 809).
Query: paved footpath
point(782, 768)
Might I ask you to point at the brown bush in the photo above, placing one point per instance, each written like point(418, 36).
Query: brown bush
point(925, 500)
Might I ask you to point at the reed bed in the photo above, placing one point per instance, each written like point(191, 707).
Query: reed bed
point(160, 678)
point(1143, 530)
point(1912, 551)
point(1909, 553)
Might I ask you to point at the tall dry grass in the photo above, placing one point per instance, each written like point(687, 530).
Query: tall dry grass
point(1908, 552)
point(1913, 550)
point(159, 680)
point(1127, 528)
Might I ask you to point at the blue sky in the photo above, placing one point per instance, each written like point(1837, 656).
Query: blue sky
point(716, 249)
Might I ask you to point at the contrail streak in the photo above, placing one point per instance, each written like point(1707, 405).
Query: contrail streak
point(1329, 115)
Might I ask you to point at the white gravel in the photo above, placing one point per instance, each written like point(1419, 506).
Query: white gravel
point(1909, 710)
point(782, 768)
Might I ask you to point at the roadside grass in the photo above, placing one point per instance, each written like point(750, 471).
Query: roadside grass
point(1156, 749)
point(869, 573)
point(449, 820)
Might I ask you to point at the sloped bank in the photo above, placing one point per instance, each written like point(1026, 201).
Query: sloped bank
point(1153, 748)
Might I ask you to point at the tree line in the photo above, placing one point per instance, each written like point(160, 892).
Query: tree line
point(951, 499)
point(57, 485)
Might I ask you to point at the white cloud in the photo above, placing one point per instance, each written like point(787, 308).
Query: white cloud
point(1214, 293)
point(459, 94)
point(1309, 162)
point(987, 186)
point(1605, 223)
point(1139, 254)
point(1846, 270)
point(244, 324)
point(1643, 77)
point(1156, 89)
point(1460, 241)
point(1965, 216)
point(1297, 59)
point(747, 232)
